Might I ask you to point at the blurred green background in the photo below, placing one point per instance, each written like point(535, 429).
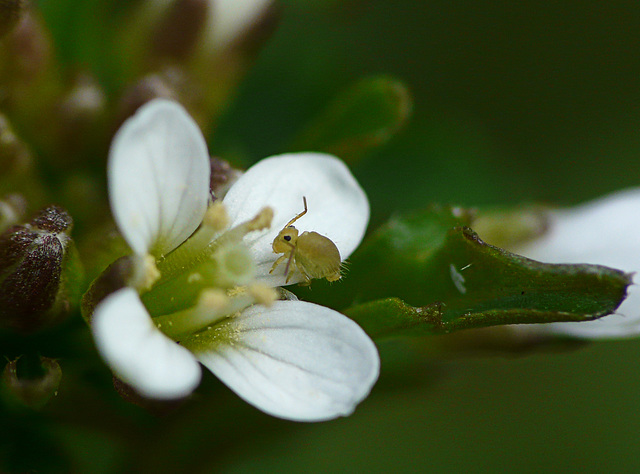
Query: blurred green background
point(514, 101)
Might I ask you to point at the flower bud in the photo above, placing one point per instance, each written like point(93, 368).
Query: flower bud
point(222, 177)
point(32, 380)
point(185, 29)
point(210, 42)
point(40, 273)
point(234, 33)
point(27, 49)
point(152, 86)
point(10, 11)
point(179, 29)
point(79, 116)
point(30, 78)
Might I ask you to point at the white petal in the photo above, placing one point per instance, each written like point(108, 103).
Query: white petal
point(338, 207)
point(295, 360)
point(138, 353)
point(158, 177)
point(603, 232)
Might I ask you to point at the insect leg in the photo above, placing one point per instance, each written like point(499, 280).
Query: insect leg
point(277, 262)
point(307, 279)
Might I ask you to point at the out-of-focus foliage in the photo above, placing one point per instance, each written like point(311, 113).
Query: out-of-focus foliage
point(364, 117)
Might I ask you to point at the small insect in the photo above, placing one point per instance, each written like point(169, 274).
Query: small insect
point(312, 254)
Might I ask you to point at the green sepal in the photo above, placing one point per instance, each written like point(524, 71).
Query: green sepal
point(365, 116)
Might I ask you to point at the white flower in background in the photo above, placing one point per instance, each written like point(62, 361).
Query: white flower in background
point(291, 359)
point(604, 232)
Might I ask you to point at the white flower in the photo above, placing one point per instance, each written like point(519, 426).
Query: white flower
point(603, 232)
point(291, 359)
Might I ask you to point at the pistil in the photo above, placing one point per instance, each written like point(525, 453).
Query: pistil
point(213, 306)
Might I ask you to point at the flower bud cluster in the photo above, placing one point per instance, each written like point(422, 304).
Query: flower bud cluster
point(38, 271)
point(194, 51)
point(40, 281)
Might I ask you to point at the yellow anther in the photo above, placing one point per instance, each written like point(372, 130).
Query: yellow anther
point(263, 294)
point(236, 291)
point(216, 217)
point(146, 273)
point(213, 298)
point(261, 221)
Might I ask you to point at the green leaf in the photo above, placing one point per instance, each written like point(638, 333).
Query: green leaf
point(431, 260)
point(365, 116)
point(392, 317)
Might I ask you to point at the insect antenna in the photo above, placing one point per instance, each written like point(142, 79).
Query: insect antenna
point(304, 200)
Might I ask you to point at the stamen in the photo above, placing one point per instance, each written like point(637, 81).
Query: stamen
point(213, 298)
point(213, 305)
point(146, 273)
point(234, 266)
point(216, 217)
point(208, 239)
point(195, 248)
point(236, 291)
point(261, 221)
point(263, 294)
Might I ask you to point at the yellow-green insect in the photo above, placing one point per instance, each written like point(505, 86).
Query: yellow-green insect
point(312, 254)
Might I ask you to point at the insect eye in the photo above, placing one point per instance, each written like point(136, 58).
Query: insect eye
point(287, 238)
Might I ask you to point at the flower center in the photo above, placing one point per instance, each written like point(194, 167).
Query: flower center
point(213, 306)
point(209, 277)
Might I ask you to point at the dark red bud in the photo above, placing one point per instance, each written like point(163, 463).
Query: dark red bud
point(179, 30)
point(32, 258)
point(10, 12)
